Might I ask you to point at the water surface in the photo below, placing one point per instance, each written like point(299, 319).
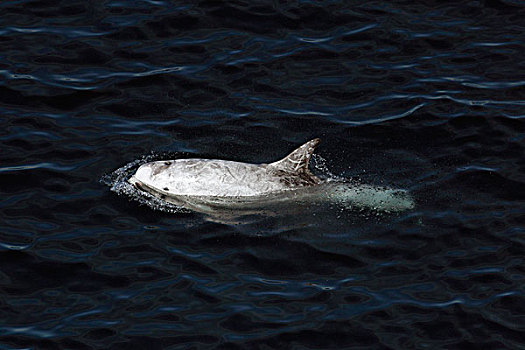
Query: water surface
point(428, 97)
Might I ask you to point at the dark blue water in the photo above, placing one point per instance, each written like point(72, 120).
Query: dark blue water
point(426, 96)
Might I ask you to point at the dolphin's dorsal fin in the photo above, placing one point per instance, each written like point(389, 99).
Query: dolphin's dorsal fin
point(297, 161)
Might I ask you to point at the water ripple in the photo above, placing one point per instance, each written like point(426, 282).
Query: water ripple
point(67, 32)
point(421, 96)
point(45, 165)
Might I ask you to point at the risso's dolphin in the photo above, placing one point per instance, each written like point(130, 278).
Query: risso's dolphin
point(211, 185)
point(222, 178)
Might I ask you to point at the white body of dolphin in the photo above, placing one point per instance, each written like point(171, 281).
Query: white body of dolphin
point(222, 178)
point(211, 185)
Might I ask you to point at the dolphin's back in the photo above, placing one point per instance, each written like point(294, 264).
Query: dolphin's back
point(223, 188)
point(221, 178)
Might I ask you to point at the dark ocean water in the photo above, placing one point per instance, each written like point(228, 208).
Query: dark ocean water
point(426, 96)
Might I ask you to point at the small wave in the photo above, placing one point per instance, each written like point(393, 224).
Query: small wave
point(387, 117)
point(44, 165)
point(475, 82)
point(68, 32)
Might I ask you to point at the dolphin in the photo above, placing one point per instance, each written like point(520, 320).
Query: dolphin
point(223, 178)
point(211, 185)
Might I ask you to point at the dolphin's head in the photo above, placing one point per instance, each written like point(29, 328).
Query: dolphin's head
point(147, 174)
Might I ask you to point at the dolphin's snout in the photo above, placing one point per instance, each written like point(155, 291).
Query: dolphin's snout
point(136, 183)
point(143, 173)
point(133, 180)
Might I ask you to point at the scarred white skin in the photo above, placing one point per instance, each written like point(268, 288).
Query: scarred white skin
point(221, 178)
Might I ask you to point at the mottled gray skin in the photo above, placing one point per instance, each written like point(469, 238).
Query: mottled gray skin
point(221, 178)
